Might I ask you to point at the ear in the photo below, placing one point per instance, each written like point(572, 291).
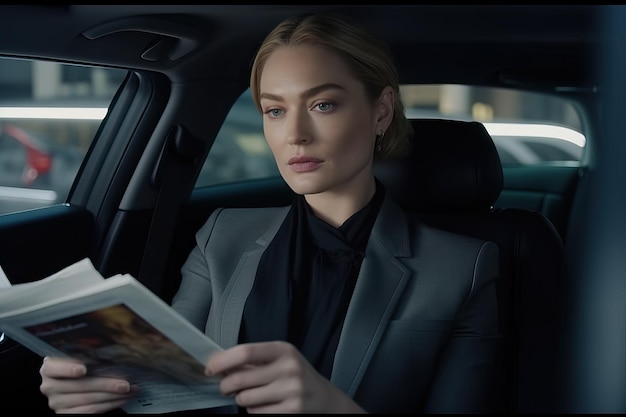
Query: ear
point(384, 109)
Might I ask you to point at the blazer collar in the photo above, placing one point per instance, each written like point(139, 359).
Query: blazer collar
point(378, 289)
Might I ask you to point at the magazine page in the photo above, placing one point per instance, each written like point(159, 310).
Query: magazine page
point(118, 327)
point(68, 280)
point(4, 280)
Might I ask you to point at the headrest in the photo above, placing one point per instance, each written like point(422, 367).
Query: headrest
point(453, 166)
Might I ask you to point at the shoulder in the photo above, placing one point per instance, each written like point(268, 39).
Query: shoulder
point(435, 235)
point(408, 235)
point(427, 248)
point(244, 214)
point(483, 254)
point(240, 222)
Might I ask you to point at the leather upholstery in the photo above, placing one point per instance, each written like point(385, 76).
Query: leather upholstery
point(454, 167)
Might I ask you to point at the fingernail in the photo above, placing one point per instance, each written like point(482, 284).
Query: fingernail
point(79, 370)
point(122, 387)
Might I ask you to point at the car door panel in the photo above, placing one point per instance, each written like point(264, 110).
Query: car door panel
point(34, 244)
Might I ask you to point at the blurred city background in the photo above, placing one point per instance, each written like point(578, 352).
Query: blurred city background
point(50, 113)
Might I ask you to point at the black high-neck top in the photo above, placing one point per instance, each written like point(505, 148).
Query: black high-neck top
point(305, 280)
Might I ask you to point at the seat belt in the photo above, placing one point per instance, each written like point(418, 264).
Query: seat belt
point(171, 178)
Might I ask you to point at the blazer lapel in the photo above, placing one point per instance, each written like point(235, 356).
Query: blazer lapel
point(377, 291)
point(240, 283)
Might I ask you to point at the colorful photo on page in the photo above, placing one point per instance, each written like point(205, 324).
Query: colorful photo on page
point(116, 341)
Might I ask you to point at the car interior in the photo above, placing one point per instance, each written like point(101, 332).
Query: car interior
point(156, 163)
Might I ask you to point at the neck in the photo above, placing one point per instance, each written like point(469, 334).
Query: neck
point(337, 206)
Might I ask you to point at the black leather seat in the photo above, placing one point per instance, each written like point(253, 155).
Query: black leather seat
point(452, 179)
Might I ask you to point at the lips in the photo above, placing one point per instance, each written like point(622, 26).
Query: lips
point(304, 163)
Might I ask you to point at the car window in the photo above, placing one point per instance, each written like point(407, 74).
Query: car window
point(527, 128)
point(49, 115)
point(239, 151)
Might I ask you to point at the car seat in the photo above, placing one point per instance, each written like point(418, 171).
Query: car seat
point(451, 179)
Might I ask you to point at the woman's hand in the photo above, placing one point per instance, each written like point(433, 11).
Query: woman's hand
point(271, 377)
point(69, 390)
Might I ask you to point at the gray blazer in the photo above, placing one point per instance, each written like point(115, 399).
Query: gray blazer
point(420, 333)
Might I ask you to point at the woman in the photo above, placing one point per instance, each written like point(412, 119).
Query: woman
point(341, 302)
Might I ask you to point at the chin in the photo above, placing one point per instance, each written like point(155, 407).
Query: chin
point(304, 187)
point(305, 190)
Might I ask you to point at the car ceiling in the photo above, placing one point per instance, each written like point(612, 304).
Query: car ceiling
point(522, 45)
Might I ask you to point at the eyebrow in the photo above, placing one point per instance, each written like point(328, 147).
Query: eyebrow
point(307, 93)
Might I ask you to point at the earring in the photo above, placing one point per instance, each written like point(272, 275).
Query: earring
point(379, 139)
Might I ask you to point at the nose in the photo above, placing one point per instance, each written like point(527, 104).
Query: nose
point(298, 125)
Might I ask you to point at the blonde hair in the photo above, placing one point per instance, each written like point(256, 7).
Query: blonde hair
point(367, 56)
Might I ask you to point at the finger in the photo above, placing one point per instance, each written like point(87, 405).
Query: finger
point(271, 396)
point(86, 394)
point(226, 361)
point(62, 368)
point(82, 405)
point(249, 376)
point(51, 386)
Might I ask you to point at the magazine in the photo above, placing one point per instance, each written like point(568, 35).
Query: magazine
point(117, 327)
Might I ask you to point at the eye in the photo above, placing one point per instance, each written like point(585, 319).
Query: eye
point(273, 113)
point(325, 106)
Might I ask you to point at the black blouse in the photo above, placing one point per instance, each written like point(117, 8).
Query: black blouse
point(305, 280)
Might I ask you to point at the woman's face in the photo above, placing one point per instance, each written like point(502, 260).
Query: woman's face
point(317, 121)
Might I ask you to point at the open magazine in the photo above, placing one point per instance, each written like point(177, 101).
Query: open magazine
point(116, 326)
